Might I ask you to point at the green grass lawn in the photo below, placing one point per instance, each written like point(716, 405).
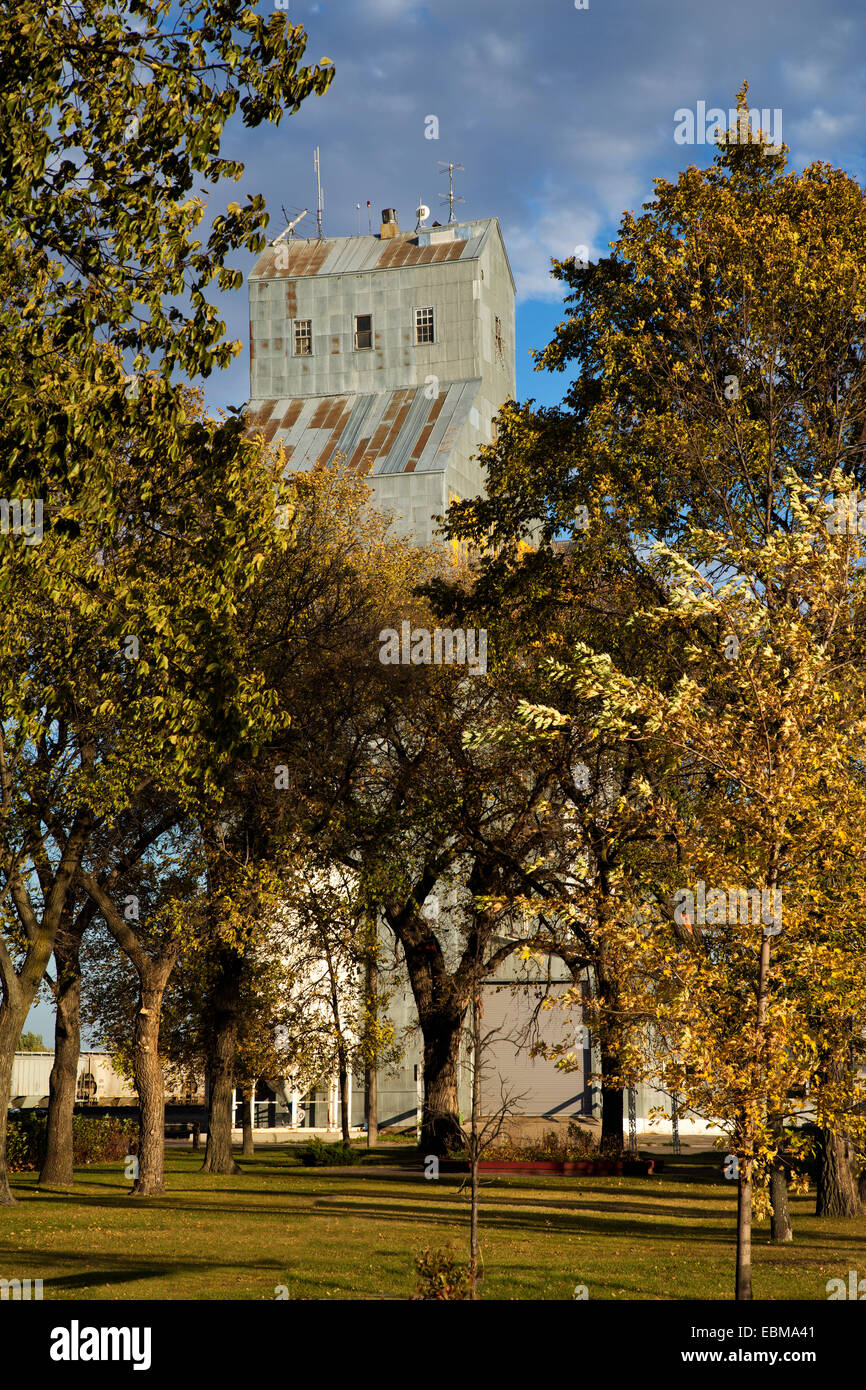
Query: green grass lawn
point(352, 1233)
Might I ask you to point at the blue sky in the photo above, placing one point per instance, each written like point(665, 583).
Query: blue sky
point(562, 118)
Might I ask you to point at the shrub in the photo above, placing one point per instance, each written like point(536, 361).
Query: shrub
point(552, 1147)
point(25, 1143)
point(316, 1154)
point(95, 1139)
point(102, 1138)
point(441, 1275)
point(581, 1143)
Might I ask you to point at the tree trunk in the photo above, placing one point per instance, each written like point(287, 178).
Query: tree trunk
point(218, 1156)
point(344, 1093)
point(247, 1091)
point(837, 1192)
point(149, 1083)
point(371, 1106)
point(371, 1075)
point(781, 1231)
point(612, 1111)
point(58, 1168)
point(17, 992)
point(342, 1052)
point(441, 999)
point(441, 1131)
point(612, 1095)
point(475, 1142)
point(744, 1202)
point(223, 1041)
point(743, 1290)
point(12, 1022)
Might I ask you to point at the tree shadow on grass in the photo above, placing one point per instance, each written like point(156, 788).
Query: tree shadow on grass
point(528, 1223)
point(125, 1268)
point(230, 1196)
point(122, 1274)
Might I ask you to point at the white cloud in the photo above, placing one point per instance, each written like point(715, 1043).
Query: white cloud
point(561, 118)
point(555, 233)
point(389, 9)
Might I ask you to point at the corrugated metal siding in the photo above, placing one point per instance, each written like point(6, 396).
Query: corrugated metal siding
point(382, 432)
point(533, 1084)
point(415, 420)
point(451, 422)
point(31, 1072)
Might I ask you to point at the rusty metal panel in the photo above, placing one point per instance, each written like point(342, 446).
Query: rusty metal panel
point(301, 426)
point(310, 448)
point(456, 405)
point(302, 257)
point(388, 418)
point(395, 453)
point(464, 392)
point(388, 252)
point(327, 412)
point(332, 447)
point(425, 433)
point(365, 415)
point(320, 415)
point(399, 421)
point(291, 415)
point(389, 431)
point(261, 414)
point(306, 257)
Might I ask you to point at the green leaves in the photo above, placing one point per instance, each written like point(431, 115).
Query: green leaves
point(103, 128)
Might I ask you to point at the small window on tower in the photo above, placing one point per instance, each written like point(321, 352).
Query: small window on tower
point(499, 335)
point(303, 337)
point(363, 331)
point(424, 326)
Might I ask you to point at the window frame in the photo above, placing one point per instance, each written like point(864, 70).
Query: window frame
point(296, 323)
point(416, 324)
point(369, 346)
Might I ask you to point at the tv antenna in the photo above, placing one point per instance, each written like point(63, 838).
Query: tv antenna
point(422, 212)
point(289, 231)
point(321, 202)
point(451, 197)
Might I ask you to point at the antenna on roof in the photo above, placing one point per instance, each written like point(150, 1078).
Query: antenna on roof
point(451, 197)
point(289, 231)
point(321, 203)
point(422, 212)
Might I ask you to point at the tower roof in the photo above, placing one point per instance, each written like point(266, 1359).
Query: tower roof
point(463, 241)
